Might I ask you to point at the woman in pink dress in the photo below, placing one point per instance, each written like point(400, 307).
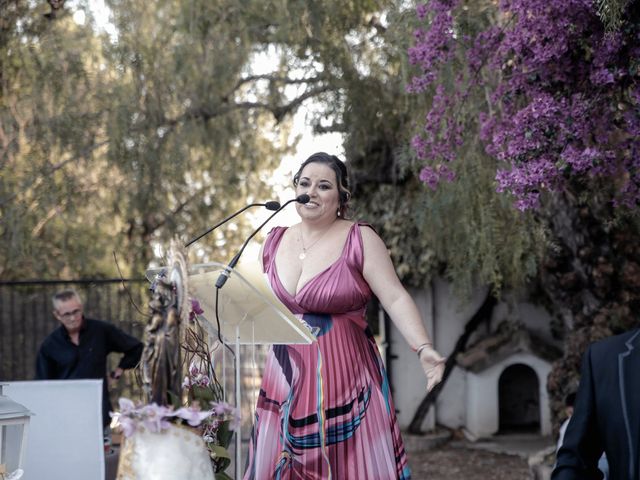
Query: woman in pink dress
point(325, 410)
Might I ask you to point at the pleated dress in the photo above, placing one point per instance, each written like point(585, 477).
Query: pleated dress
point(324, 410)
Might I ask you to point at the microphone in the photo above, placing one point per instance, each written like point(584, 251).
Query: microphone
point(270, 205)
point(304, 198)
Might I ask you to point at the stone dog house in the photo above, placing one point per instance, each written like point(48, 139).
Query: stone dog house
point(506, 383)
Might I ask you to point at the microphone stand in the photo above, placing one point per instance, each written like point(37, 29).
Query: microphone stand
point(271, 205)
point(304, 198)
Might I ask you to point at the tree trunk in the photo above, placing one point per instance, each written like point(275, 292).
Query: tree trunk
point(482, 315)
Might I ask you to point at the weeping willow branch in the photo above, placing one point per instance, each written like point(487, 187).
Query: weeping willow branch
point(611, 13)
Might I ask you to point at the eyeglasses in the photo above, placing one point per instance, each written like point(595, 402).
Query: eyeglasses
point(70, 314)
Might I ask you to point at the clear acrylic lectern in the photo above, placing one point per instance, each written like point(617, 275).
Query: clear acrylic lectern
point(249, 312)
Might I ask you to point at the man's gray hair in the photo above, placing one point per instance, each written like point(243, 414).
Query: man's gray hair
point(64, 295)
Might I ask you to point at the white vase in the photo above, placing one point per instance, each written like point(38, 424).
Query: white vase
point(176, 453)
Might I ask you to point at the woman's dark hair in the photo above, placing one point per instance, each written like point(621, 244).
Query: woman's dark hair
point(342, 176)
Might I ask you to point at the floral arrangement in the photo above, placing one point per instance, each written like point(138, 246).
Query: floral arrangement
point(214, 424)
point(200, 405)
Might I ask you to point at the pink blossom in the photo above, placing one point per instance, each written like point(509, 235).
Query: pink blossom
point(196, 309)
point(226, 411)
point(198, 375)
point(127, 424)
point(192, 415)
point(125, 405)
point(155, 417)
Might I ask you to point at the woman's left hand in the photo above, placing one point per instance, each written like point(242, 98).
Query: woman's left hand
point(433, 365)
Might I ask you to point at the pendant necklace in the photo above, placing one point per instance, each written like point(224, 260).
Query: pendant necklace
point(303, 253)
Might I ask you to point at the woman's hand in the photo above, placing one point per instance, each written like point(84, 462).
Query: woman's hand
point(433, 365)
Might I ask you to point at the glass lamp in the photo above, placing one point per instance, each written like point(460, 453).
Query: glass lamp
point(14, 425)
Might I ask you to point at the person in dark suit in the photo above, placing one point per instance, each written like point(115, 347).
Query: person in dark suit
point(606, 416)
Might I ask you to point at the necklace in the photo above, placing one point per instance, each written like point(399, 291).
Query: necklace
point(303, 253)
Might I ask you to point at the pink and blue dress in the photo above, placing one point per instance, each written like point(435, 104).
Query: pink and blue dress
point(324, 410)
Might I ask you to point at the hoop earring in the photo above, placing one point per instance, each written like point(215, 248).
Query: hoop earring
point(338, 213)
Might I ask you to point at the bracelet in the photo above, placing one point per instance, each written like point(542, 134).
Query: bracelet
point(422, 347)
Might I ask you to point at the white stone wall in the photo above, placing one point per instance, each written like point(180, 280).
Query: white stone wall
point(445, 319)
point(534, 317)
point(451, 317)
point(409, 382)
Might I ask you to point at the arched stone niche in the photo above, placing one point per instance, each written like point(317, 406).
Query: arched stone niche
point(484, 402)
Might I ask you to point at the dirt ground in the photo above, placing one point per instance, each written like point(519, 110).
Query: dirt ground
point(450, 461)
point(455, 462)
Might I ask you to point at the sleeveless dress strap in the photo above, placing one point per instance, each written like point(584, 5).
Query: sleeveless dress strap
point(355, 245)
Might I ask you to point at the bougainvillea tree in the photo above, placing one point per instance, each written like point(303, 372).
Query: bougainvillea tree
point(553, 94)
point(563, 95)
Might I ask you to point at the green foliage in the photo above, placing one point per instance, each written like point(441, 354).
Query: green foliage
point(611, 12)
point(483, 240)
point(219, 453)
point(120, 144)
point(464, 230)
point(222, 476)
point(47, 146)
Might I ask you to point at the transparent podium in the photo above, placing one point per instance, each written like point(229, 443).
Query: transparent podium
point(249, 314)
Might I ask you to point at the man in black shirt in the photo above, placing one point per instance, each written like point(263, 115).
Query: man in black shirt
point(79, 347)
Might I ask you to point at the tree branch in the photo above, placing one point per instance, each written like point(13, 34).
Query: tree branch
point(35, 182)
point(333, 128)
point(278, 111)
point(276, 79)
